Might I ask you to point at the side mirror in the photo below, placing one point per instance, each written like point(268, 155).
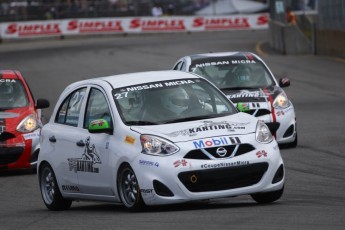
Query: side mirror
point(284, 82)
point(100, 126)
point(42, 103)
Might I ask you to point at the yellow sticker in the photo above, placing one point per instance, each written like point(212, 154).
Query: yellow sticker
point(130, 140)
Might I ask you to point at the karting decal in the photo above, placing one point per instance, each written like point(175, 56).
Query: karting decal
point(262, 153)
point(247, 93)
point(70, 188)
point(217, 141)
point(87, 162)
point(149, 163)
point(130, 140)
point(182, 163)
point(224, 164)
point(209, 126)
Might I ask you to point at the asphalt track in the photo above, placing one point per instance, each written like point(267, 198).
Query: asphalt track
point(315, 171)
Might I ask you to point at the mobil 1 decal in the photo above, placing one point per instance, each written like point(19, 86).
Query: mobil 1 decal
point(216, 141)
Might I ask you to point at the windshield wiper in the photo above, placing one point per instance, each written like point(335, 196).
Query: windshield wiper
point(140, 123)
point(189, 119)
point(236, 88)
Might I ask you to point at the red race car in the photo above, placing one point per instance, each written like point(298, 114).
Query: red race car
point(20, 122)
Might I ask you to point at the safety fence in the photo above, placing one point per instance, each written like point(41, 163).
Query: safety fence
point(127, 25)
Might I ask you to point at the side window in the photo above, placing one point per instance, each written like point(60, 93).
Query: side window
point(69, 110)
point(97, 108)
point(179, 65)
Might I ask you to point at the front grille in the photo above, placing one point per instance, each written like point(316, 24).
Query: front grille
point(6, 136)
point(10, 155)
point(211, 153)
point(225, 178)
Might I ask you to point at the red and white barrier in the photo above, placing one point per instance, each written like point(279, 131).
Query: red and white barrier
point(65, 27)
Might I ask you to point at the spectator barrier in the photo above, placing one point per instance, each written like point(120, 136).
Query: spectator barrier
point(127, 25)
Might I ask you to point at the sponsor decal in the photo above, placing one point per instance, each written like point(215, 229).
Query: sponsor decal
point(217, 141)
point(280, 113)
point(262, 20)
point(221, 23)
point(149, 163)
point(209, 126)
point(161, 24)
point(88, 26)
point(122, 93)
point(30, 136)
point(130, 140)
point(2, 80)
point(29, 29)
point(146, 191)
point(261, 153)
point(2, 129)
point(182, 163)
point(87, 162)
point(70, 188)
point(247, 94)
point(224, 164)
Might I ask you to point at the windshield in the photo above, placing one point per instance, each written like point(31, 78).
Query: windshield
point(233, 74)
point(12, 94)
point(170, 101)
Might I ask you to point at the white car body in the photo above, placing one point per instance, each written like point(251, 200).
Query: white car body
point(260, 99)
point(203, 165)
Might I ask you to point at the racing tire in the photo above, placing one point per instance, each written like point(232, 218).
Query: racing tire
point(50, 192)
point(129, 190)
point(268, 197)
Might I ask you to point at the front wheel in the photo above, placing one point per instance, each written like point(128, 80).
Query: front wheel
point(268, 197)
point(129, 190)
point(50, 191)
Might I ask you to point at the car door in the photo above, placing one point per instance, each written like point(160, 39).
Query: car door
point(95, 174)
point(63, 136)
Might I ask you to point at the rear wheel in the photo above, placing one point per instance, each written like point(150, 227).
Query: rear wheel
point(50, 191)
point(129, 190)
point(268, 197)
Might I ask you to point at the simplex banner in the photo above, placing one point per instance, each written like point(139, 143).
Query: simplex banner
point(65, 27)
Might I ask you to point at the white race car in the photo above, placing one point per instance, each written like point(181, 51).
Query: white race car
point(250, 85)
point(154, 138)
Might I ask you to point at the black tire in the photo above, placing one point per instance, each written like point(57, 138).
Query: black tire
point(50, 192)
point(129, 190)
point(268, 197)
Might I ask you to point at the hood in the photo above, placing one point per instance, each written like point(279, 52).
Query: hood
point(9, 119)
point(237, 124)
point(253, 95)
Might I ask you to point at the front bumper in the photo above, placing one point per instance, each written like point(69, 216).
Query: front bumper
point(174, 179)
point(19, 151)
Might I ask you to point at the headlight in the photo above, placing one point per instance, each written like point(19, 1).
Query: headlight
point(281, 101)
point(157, 146)
point(263, 134)
point(28, 124)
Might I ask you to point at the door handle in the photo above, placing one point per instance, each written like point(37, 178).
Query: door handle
point(52, 139)
point(80, 143)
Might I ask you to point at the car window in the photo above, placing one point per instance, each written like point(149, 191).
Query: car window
point(170, 101)
point(12, 94)
point(97, 108)
point(69, 110)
